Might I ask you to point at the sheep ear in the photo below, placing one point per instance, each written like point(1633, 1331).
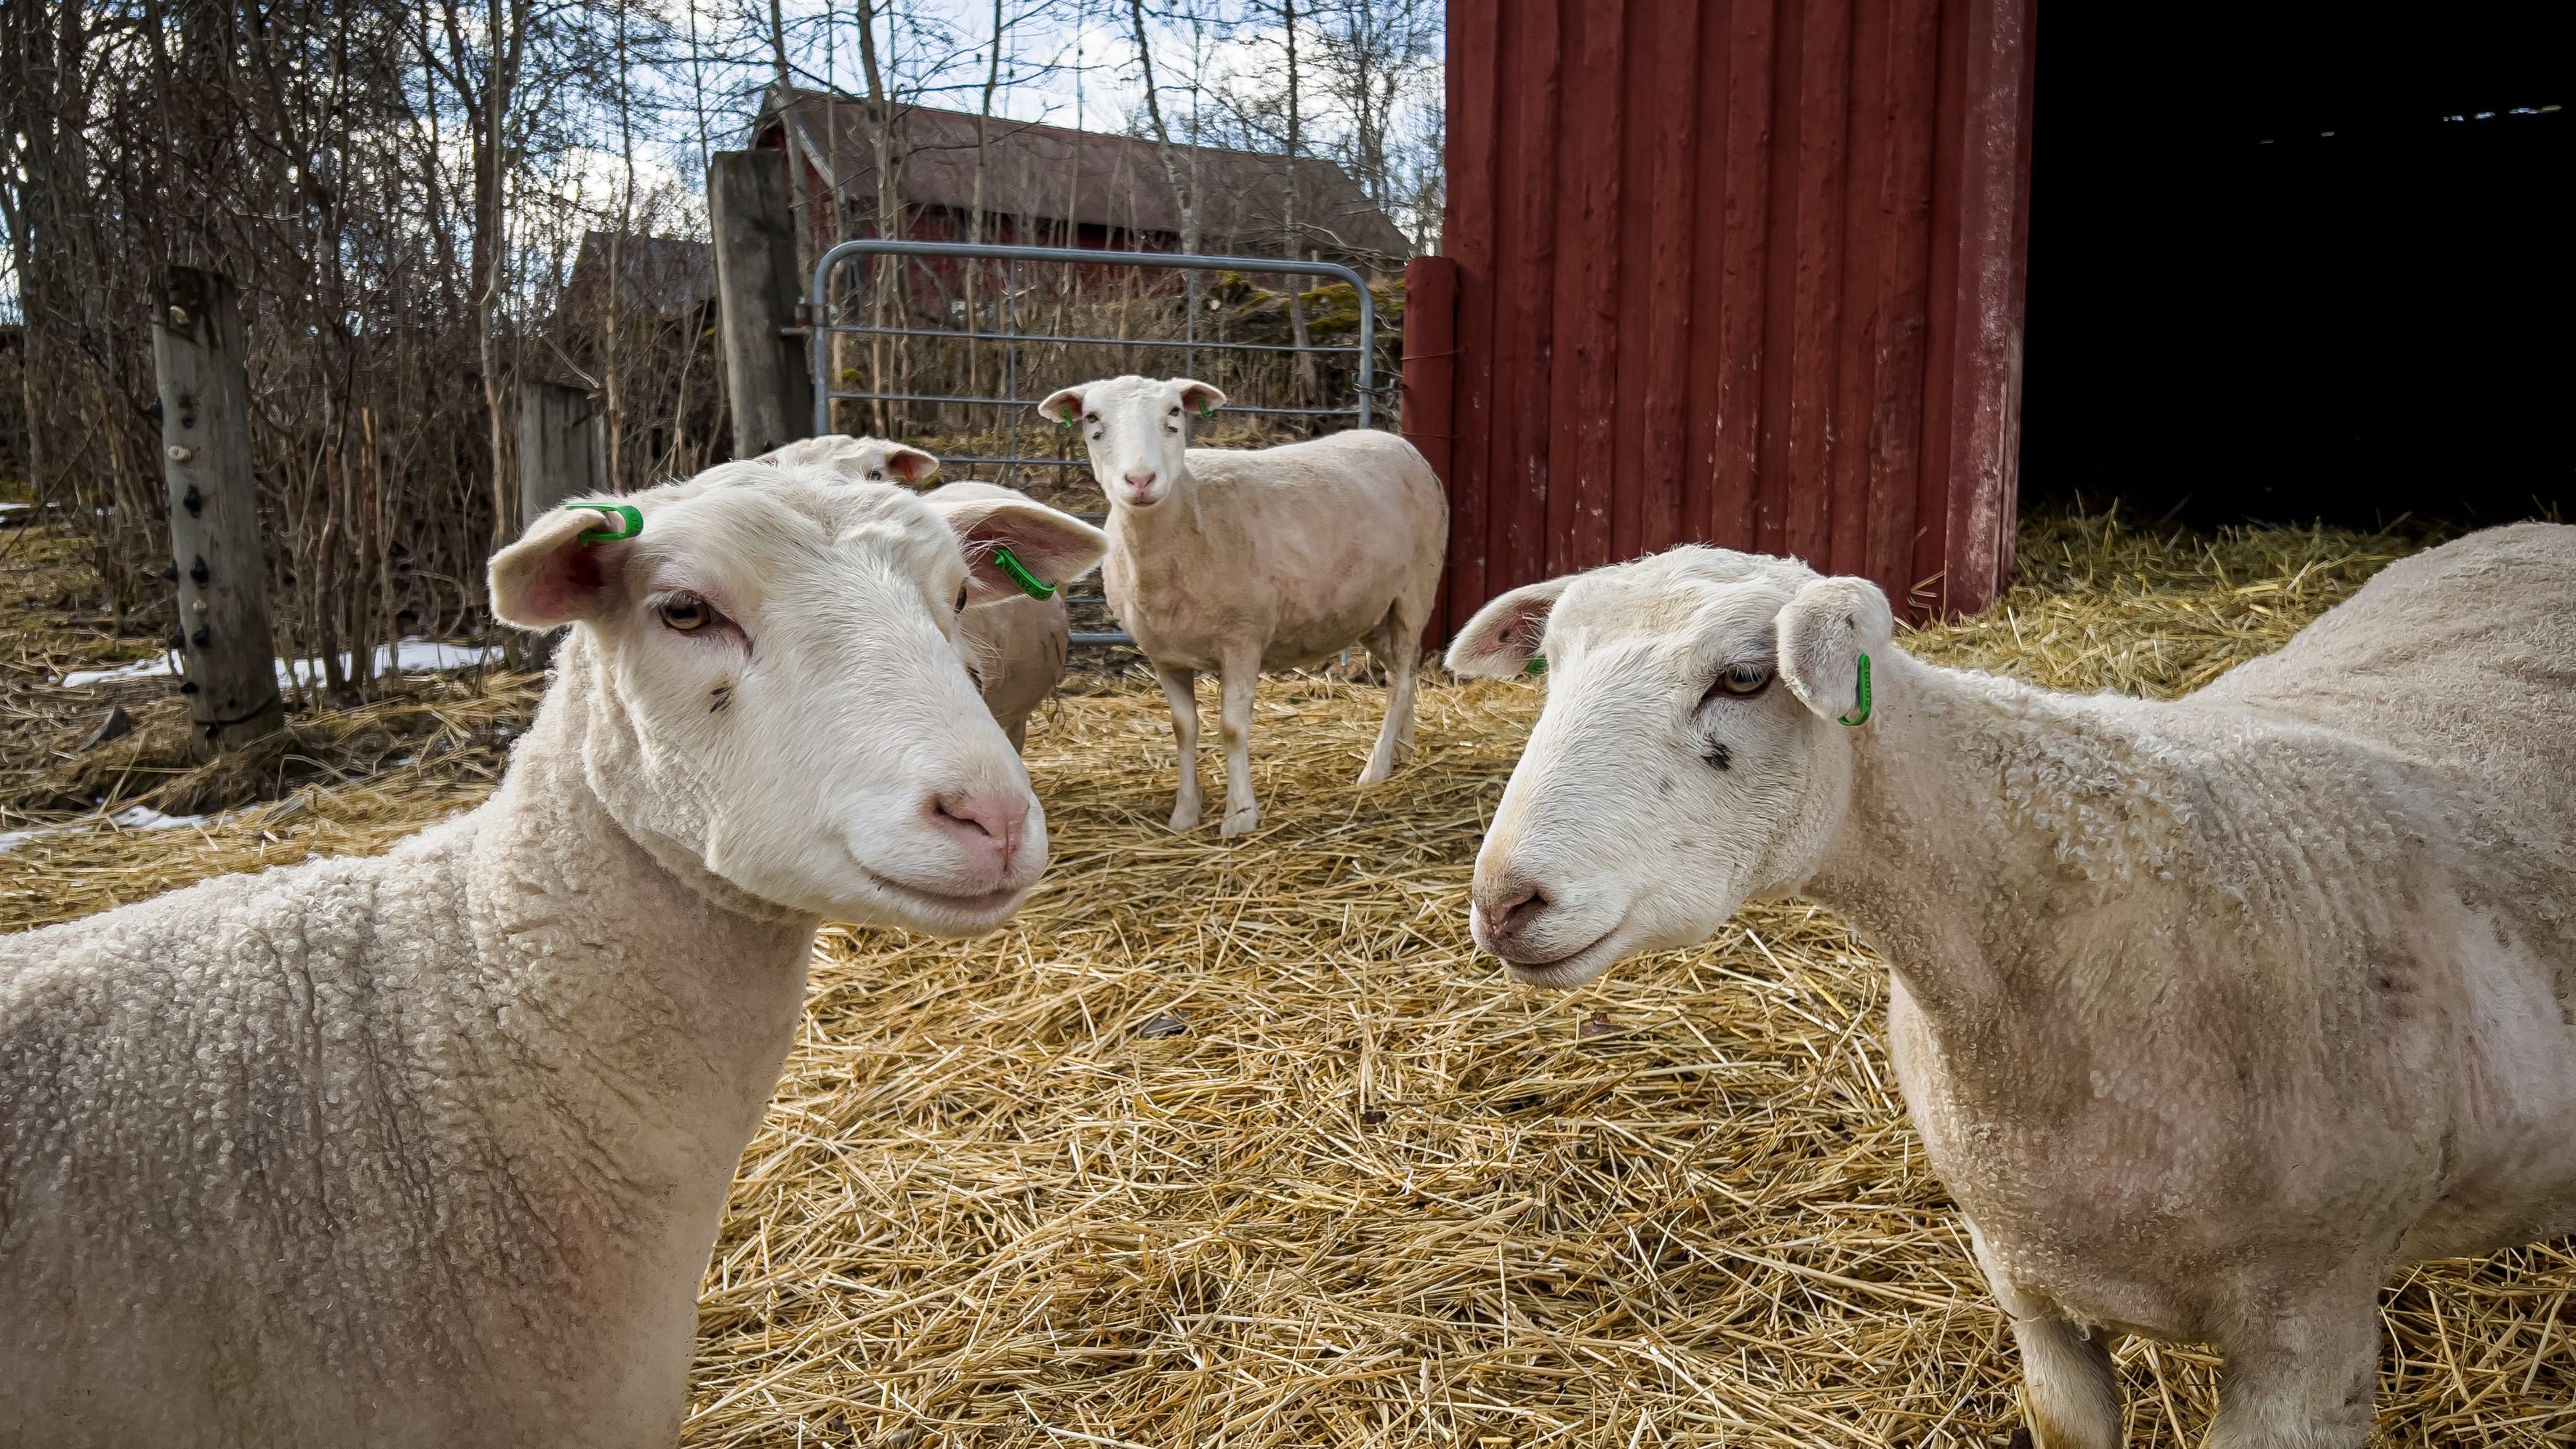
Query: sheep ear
point(1198, 397)
point(910, 464)
point(1055, 548)
point(550, 577)
point(1825, 630)
point(1061, 405)
point(1504, 636)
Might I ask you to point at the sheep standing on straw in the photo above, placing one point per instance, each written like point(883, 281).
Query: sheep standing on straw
point(1241, 560)
point(2211, 1012)
point(430, 1149)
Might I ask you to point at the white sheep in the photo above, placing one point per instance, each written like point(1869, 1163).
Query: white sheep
point(1015, 645)
point(1238, 561)
point(2211, 1012)
point(430, 1149)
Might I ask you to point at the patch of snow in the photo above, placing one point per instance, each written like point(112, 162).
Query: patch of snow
point(133, 817)
point(411, 656)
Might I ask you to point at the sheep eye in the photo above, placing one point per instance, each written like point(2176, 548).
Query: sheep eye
point(1741, 679)
point(961, 598)
point(876, 475)
point(687, 614)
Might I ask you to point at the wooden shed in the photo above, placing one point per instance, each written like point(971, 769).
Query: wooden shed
point(1746, 272)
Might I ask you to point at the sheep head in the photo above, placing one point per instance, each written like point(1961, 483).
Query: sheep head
point(1688, 756)
point(1137, 429)
point(770, 685)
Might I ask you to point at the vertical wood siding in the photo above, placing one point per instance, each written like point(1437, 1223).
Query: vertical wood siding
point(1745, 272)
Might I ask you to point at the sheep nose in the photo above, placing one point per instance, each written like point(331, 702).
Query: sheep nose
point(1140, 484)
point(1509, 909)
point(992, 822)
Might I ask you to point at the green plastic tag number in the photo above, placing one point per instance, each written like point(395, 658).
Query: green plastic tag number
point(625, 513)
point(1027, 581)
point(1864, 698)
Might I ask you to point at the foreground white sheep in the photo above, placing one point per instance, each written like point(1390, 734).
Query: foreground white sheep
point(2211, 1012)
point(1269, 558)
point(1015, 645)
point(429, 1149)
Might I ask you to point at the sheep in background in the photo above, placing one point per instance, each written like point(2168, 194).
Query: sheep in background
point(430, 1149)
point(1240, 561)
point(2211, 1012)
point(1016, 645)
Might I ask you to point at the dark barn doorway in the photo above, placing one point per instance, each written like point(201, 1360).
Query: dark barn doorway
point(2291, 263)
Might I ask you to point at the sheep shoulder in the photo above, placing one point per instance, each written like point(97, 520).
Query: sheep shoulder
point(255, 1122)
point(2460, 662)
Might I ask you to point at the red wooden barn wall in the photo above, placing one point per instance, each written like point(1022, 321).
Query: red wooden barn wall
point(1746, 272)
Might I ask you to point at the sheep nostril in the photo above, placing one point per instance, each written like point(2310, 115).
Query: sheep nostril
point(1506, 913)
point(1139, 482)
point(995, 821)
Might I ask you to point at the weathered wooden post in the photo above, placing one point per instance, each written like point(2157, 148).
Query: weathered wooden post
point(230, 673)
point(562, 448)
point(563, 453)
point(767, 377)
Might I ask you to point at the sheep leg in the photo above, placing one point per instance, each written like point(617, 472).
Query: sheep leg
point(2308, 1383)
point(1180, 688)
point(2070, 1398)
point(1234, 726)
point(1395, 735)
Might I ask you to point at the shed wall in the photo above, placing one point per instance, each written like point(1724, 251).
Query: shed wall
point(1745, 272)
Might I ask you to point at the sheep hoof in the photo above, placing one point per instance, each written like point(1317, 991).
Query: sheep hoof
point(1240, 822)
point(1375, 772)
point(1185, 818)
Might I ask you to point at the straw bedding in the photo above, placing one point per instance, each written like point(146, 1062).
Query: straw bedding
point(1241, 1144)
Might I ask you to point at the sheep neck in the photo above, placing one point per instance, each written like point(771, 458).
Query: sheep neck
point(1971, 794)
point(604, 960)
point(1176, 528)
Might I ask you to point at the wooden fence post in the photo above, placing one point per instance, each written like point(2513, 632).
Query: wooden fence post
point(223, 635)
point(562, 450)
point(767, 378)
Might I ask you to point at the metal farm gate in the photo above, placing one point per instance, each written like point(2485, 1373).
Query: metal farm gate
point(831, 320)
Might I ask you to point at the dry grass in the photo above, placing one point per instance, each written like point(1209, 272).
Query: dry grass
point(1240, 1144)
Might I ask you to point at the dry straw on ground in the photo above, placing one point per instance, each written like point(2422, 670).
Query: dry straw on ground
point(1241, 1144)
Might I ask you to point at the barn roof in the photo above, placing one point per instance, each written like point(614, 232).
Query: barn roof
point(1052, 173)
point(663, 276)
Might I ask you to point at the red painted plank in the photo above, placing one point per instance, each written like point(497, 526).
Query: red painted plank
point(1702, 481)
point(1855, 390)
point(1583, 385)
point(1743, 274)
point(1467, 235)
point(1524, 280)
point(1430, 375)
point(1779, 291)
point(1986, 390)
point(1659, 308)
point(1941, 316)
point(1904, 204)
point(1814, 320)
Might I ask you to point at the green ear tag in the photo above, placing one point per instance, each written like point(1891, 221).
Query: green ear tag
point(1065, 422)
point(1537, 665)
point(1027, 581)
point(1207, 410)
point(1864, 697)
point(611, 513)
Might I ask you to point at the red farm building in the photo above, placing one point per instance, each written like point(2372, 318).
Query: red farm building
point(1052, 186)
point(1850, 279)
